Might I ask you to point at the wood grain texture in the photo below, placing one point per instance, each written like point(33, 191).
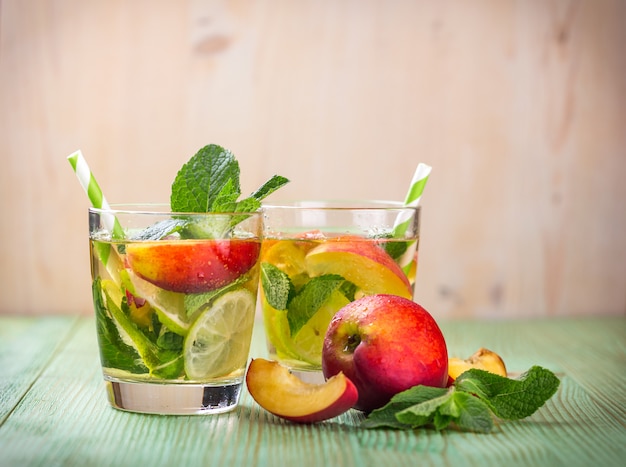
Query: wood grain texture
point(61, 417)
point(518, 105)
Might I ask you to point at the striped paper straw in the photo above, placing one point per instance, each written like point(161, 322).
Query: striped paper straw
point(91, 187)
point(420, 177)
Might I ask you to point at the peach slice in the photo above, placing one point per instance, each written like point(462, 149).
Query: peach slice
point(192, 266)
point(361, 262)
point(281, 393)
point(482, 359)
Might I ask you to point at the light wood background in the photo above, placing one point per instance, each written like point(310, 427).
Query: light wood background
point(519, 106)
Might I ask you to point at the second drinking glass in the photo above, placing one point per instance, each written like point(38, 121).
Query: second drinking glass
point(318, 256)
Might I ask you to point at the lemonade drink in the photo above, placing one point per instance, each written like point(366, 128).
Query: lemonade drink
point(175, 310)
point(317, 258)
point(175, 286)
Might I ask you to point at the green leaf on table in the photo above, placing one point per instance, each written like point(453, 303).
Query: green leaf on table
point(510, 399)
point(474, 415)
point(469, 403)
point(386, 415)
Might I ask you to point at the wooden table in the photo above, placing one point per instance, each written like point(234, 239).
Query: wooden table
point(53, 409)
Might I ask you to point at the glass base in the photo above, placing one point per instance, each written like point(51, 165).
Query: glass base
point(172, 399)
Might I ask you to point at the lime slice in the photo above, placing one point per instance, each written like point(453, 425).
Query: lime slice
point(277, 330)
point(169, 306)
point(309, 340)
point(219, 341)
point(128, 331)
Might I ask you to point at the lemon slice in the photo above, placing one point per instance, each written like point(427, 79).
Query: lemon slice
point(285, 255)
point(169, 306)
point(277, 330)
point(219, 341)
point(309, 340)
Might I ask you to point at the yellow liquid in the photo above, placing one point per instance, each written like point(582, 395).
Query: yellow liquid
point(366, 266)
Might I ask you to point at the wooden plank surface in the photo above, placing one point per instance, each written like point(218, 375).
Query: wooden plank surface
point(27, 348)
point(518, 105)
point(60, 415)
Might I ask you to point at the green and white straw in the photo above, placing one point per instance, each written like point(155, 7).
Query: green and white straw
point(420, 177)
point(91, 187)
point(413, 196)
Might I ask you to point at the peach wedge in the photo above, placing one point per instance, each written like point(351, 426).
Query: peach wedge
point(192, 266)
point(281, 393)
point(482, 359)
point(361, 262)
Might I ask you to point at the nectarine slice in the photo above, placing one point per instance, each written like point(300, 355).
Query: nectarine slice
point(361, 262)
point(482, 359)
point(281, 393)
point(192, 266)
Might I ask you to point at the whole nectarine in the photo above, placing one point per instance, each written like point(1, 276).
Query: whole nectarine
point(385, 344)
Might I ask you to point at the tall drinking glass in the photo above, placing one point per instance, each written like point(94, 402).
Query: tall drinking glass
point(318, 256)
point(174, 297)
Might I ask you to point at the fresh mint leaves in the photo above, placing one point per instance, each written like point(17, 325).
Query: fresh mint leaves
point(209, 182)
point(277, 286)
point(114, 352)
point(470, 403)
point(310, 299)
point(510, 399)
point(303, 303)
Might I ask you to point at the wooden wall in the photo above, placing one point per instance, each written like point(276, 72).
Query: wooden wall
point(519, 106)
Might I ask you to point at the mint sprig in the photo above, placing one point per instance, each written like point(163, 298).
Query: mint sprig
point(277, 286)
point(209, 182)
point(470, 403)
point(310, 299)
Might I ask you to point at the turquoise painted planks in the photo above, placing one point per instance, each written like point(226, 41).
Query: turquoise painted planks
point(27, 346)
point(63, 418)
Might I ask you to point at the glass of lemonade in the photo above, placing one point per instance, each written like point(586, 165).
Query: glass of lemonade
point(174, 296)
point(317, 256)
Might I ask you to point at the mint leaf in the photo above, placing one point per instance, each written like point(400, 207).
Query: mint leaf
point(114, 352)
point(160, 230)
point(212, 173)
point(269, 187)
point(160, 362)
point(424, 412)
point(277, 286)
point(209, 182)
point(310, 298)
point(469, 403)
point(169, 340)
point(386, 415)
point(226, 199)
point(510, 399)
point(348, 289)
point(473, 415)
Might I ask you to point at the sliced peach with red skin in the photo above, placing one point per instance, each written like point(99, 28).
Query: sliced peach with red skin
point(361, 262)
point(192, 266)
point(482, 359)
point(283, 394)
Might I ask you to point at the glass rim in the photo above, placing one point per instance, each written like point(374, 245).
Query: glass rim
point(340, 205)
point(151, 209)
